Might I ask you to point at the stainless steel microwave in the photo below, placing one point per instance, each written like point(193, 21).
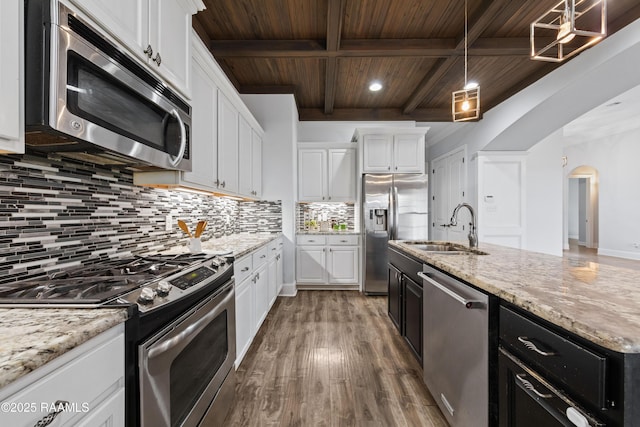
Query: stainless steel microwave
point(87, 99)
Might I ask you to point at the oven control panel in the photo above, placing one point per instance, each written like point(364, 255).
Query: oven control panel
point(174, 287)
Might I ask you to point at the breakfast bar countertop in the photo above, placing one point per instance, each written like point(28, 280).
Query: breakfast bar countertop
point(598, 302)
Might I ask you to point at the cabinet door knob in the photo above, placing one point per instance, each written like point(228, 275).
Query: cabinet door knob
point(388, 168)
point(148, 51)
point(223, 184)
point(157, 59)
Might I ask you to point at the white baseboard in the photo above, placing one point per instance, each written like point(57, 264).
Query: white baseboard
point(619, 254)
point(327, 287)
point(574, 236)
point(289, 290)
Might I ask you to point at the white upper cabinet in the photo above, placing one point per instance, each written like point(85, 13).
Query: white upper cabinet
point(342, 175)
point(11, 76)
point(244, 156)
point(327, 175)
point(228, 140)
point(400, 153)
point(204, 128)
point(156, 31)
point(256, 165)
point(312, 175)
point(408, 153)
point(377, 153)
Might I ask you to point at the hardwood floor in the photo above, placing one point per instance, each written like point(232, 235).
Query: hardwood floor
point(587, 254)
point(331, 358)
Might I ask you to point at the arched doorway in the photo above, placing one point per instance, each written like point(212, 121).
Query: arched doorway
point(582, 208)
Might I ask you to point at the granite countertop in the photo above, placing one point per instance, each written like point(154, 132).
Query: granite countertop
point(31, 337)
point(600, 303)
point(237, 244)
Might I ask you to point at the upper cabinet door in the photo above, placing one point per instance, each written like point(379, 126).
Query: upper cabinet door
point(312, 175)
point(244, 152)
point(256, 165)
point(227, 144)
point(11, 69)
point(342, 175)
point(408, 154)
point(377, 153)
point(170, 37)
point(204, 130)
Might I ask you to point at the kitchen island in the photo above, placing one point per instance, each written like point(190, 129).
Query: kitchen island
point(598, 302)
point(563, 339)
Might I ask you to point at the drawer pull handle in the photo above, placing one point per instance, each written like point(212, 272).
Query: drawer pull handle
point(531, 346)
point(48, 419)
point(245, 269)
point(344, 241)
point(532, 388)
point(311, 240)
point(262, 256)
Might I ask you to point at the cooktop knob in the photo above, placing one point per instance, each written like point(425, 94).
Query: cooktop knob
point(163, 288)
point(146, 295)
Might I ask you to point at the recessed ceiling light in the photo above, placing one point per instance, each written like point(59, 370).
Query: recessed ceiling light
point(613, 104)
point(375, 86)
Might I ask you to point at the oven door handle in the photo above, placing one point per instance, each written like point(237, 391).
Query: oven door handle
point(184, 337)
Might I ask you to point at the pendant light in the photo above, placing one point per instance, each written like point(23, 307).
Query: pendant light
point(465, 103)
point(571, 26)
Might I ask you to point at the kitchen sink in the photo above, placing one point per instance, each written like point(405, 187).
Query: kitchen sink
point(446, 248)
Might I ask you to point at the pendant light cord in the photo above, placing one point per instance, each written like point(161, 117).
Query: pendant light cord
point(465, 43)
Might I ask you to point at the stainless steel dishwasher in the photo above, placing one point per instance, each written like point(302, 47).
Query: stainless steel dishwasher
point(456, 348)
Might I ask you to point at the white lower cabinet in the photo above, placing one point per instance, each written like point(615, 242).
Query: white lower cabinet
point(274, 269)
point(254, 294)
point(244, 325)
point(342, 264)
point(90, 378)
point(323, 260)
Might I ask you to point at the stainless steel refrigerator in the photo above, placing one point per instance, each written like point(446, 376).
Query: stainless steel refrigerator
point(394, 207)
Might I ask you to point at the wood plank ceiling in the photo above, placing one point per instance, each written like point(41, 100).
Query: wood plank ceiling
point(326, 52)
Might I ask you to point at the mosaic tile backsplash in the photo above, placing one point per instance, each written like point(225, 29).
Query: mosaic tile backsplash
point(334, 212)
point(56, 213)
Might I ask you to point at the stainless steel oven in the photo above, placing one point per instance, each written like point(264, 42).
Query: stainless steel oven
point(87, 99)
point(186, 368)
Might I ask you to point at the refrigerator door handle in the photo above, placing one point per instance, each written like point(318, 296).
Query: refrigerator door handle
point(390, 217)
point(395, 212)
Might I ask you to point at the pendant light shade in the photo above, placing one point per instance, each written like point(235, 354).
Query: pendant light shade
point(465, 103)
point(567, 29)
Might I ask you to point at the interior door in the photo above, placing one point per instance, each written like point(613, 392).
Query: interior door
point(457, 176)
point(440, 199)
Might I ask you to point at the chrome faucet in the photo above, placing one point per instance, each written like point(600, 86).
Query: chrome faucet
point(473, 235)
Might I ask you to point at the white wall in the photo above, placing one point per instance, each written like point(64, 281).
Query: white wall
point(278, 116)
point(544, 196)
point(616, 160)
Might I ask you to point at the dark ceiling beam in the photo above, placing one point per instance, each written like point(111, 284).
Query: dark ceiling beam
point(374, 114)
point(479, 22)
point(436, 48)
point(335, 12)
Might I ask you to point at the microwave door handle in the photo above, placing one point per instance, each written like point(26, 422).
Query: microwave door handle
point(183, 139)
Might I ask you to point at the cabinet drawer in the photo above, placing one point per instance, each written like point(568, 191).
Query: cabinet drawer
point(242, 268)
point(310, 239)
point(577, 368)
point(273, 247)
point(259, 257)
point(351, 240)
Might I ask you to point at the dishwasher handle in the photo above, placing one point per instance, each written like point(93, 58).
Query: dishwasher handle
point(462, 300)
